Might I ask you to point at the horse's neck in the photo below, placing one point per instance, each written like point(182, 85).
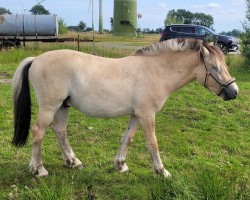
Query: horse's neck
point(182, 69)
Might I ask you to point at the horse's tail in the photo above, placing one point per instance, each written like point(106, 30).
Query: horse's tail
point(21, 102)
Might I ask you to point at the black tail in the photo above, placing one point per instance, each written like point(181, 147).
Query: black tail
point(22, 104)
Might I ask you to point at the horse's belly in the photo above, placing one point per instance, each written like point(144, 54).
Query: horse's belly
point(101, 96)
point(103, 112)
point(103, 109)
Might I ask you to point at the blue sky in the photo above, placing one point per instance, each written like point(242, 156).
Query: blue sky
point(227, 14)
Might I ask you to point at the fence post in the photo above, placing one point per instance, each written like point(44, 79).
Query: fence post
point(78, 43)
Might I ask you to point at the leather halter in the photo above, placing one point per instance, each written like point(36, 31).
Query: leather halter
point(223, 85)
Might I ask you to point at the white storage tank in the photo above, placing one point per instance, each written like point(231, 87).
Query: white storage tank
point(28, 25)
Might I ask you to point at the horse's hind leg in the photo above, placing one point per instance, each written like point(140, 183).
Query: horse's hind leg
point(44, 119)
point(59, 127)
point(128, 136)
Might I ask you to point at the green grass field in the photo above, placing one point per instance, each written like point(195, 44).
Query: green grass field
point(204, 142)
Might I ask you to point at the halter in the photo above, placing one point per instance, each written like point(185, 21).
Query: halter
point(223, 85)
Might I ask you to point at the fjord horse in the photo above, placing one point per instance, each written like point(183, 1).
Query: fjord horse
point(137, 85)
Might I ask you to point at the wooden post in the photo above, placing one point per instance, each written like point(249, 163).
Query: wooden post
point(24, 41)
point(93, 50)
point(78, 43)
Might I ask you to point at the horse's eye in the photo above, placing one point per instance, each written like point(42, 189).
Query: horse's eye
point(215, 68)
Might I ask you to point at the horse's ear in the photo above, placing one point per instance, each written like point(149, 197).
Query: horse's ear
point(204, 51)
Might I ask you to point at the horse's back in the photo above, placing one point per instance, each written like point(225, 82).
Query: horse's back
point(98, 86)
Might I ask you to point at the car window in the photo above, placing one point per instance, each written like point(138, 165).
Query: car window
point(183, 29)
point(176, 29)
point(187, 29)
point(202, 31)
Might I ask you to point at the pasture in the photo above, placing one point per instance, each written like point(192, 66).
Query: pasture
point(203, 141)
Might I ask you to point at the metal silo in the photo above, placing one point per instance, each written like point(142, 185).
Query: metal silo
point(125, 17)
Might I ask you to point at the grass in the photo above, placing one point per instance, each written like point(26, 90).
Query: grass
point(204, 143)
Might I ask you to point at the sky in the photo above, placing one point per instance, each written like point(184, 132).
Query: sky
point(227, 14)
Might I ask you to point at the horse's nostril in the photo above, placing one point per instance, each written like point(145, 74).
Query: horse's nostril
point(236, 92)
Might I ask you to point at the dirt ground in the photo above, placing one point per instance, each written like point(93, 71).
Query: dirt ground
point(4, 78)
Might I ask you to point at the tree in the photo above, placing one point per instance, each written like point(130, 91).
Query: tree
point(81, 26)
point(185, 16)
point(146, 30)
point(4, 11)
point(182, 16)
point(39, 10)
point(158, 30)
point(245, 38)
point(88, 29)
point(62, 26)
point(171, 18)
point(112, 24)
point(234, 33)
point(203, 19)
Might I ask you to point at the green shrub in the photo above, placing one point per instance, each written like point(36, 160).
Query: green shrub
point(62, 26)
point(245, 38)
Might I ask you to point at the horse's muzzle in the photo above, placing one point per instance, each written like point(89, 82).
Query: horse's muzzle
point(230, 92)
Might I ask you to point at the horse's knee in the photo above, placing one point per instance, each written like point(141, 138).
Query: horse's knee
point(57, 128)
point(153, 146)
point(37, 134)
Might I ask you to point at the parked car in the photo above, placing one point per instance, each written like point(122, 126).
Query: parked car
point(225, 43)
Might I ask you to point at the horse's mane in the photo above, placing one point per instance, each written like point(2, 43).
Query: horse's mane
point(179, 45)
point(215, 51)
point(172, 45)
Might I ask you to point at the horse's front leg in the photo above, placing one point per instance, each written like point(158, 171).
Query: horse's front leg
point(38, 131)
point(148, 125)
point(128, 136)
point(59, 127)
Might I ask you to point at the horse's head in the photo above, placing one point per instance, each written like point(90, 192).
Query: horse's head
point(214, 73)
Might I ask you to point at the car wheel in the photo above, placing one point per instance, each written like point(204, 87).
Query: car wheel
point(223, 47)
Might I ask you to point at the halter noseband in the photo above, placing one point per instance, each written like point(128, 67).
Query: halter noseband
point(223, 85)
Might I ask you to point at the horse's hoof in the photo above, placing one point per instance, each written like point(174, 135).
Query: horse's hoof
point(41, 172)
point(79, 166)
point(166, 174)
point(123, 168)
point(163, 172)
point(74, 163)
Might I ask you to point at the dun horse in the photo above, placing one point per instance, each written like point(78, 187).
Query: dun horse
point(137, 85)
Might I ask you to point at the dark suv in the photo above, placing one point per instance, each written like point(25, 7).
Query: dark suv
point(226, 43)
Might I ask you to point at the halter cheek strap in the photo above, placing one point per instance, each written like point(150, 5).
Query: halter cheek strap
point(223, 85)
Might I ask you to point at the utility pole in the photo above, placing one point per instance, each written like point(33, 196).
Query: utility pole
point(93, 28)
point(100, 18)
point(91, 2)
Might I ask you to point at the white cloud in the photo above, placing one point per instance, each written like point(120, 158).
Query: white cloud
point(197, 6)
point(213, 6)
point(238, 2)
point(162, 5)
